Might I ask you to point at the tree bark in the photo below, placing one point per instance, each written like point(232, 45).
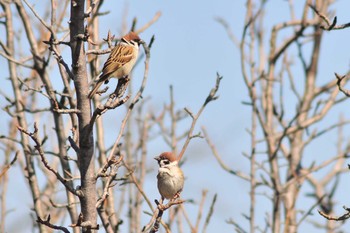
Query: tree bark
point(85, 143)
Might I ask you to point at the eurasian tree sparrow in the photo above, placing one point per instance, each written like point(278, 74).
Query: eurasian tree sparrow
point(121, 60)
point(170, 176)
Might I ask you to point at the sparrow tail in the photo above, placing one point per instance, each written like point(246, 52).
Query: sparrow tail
point(95, 89)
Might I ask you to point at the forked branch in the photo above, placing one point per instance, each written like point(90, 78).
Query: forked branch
point(50, 225)
point(330, 25)
point(38, 147)
point(336, 218)
point(211, 97)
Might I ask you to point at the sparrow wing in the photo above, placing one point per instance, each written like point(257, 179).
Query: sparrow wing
point(119, 56)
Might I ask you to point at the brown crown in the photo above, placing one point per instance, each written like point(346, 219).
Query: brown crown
point(132, 36)
point(168, 155)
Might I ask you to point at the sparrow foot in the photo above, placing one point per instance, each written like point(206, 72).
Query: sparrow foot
point(176, 196)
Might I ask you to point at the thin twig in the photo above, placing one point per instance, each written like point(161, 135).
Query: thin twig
point(66, 111)
point(147, 25)
point(200, 210)
point(161, 208)
point(138, 186)
point(210, 213)
point(39, 18)
point(212, 96)
point(8, 166)
point(34, 137)
point(50, 225)
point(335, 218)
point(219, 159)
point(341, 84)
point(330, 26)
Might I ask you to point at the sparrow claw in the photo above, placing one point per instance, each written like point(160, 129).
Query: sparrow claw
point(176, 196)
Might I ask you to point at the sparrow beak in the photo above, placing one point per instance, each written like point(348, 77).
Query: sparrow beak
point(141, 42)
point(157, 158)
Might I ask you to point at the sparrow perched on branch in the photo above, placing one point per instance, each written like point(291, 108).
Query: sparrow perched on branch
point(170, 176)
point(121, 60)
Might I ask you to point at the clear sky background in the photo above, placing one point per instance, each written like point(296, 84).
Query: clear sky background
point(189, 49)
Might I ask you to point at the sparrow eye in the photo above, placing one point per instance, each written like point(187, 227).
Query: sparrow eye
point(166, 162)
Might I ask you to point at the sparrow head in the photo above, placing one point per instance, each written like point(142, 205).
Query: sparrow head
point(133, 38)
point(165, 159)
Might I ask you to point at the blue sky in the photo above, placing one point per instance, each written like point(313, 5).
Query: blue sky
point(190, 48)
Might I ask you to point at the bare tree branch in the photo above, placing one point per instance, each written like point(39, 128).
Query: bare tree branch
point(50, 225)
point(8, 166)
point(34, 137)
point(336, 218)
point(330, 26)
point(211, 97)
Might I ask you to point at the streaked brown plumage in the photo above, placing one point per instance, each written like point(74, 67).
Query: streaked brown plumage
point(120, 62)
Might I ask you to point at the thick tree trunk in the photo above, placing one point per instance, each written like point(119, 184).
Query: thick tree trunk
point(85, 154)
